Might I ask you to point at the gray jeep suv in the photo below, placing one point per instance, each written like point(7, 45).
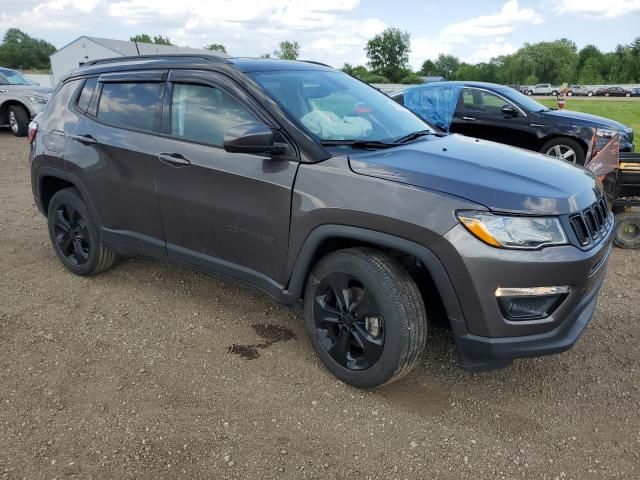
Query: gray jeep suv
point(20, 101)
point(326, 194)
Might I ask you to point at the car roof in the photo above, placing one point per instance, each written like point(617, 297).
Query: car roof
point(486, 85)
point(193, 61)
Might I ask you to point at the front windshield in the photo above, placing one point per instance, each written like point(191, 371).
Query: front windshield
point(9, 77)
point(334, 106)
point(525, 102)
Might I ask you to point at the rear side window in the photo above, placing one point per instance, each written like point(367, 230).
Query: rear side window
point(87, 92)
point(130, 105)
point(57, 115)
point(203, 113)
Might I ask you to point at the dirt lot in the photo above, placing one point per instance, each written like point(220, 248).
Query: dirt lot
point(134, 374)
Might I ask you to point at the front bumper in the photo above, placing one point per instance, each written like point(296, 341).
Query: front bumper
point(486, 339)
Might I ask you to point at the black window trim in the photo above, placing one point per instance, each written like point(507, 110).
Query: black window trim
point(76, 96)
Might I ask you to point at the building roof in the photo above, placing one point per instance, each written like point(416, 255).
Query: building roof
point(129, 48)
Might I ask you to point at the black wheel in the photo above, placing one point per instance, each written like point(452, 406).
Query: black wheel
point(18, 120)
point(589, 94)
point(365, 317)
point(75, 237)
point(627, 234)
point(529, 92)
point(554, 93)
point(565, 148)
point(570, 94)
point(627, 94)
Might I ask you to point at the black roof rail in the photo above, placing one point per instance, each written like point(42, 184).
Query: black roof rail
point(202, 56)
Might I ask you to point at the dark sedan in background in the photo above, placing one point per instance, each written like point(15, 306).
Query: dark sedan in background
point(613, 92)
point(501, 114)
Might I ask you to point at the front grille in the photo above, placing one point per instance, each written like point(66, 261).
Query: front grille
point(591, 223)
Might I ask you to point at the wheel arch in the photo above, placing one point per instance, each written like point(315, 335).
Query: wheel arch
point(328, 238)
point(49, 181)
point(4, 108)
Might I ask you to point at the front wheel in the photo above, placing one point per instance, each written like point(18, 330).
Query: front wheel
point(529, 92)
point(569, 94)
point(18, 120)
point(365, 316)
point(607, 94)
point(564, 148)
point(627, 94)
point(589, 94)
point(554, 93)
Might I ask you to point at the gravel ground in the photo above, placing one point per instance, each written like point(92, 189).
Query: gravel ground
point(153, 371)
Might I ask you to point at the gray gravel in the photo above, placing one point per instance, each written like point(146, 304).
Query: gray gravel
point(135, 374)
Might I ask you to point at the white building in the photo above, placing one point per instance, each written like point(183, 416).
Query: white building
point(84, 48)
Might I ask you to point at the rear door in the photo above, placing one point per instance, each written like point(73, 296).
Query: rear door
point(113, 152)
point(223, 211)
point(479, 114)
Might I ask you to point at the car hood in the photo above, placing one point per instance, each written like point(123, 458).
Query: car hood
point(500, 177)
point(585, 119)
point(27, 90)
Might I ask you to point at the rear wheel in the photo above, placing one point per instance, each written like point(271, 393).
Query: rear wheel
point(75, 237)
point(589, 94)
point(18, 120)
point(569, 94)
point(627, 94)
point(565, 148)
point(627, 234)
point(365, 317)
point(529, 92)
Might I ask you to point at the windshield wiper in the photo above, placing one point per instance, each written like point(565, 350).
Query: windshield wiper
point(414, 135)
point(358, 143)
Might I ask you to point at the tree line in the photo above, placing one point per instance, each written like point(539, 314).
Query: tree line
point(388, 60)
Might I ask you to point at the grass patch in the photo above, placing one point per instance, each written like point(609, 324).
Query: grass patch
point(623, 111)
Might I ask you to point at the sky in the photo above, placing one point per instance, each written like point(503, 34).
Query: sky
point(334, 31)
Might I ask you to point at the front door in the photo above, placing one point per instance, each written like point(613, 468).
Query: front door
point(479, 114)
point(223, 211)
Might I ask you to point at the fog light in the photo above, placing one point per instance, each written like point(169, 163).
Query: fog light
point(530, 303)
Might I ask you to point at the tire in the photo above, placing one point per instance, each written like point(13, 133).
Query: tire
point(569, 94)
point(529, 92)
point(378, 288)
point(589, 94)
point(607, 94)
point(554, 93)
point(627, 233)
point(627, 94)
point(75, 237)
point(18, 120)
point(563, 144)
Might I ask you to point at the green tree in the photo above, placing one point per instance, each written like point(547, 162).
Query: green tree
point(358, 71)
point(216, 47)
point(145, 38)
point(428, 69)
point(446, 65)
point(388, 54)
point(288, 50)
point(20, 50)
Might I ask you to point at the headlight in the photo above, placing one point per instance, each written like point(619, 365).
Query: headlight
point(505, 231)
point(37, 99)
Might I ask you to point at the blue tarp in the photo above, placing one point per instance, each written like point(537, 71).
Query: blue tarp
point(433, 102)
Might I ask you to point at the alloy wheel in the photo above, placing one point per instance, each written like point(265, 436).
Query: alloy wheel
point(71, 234)
point(13, 122)
point(564, 152)
point(348, 321)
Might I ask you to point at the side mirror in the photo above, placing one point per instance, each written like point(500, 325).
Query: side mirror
point(509, 111)
point(253, 138)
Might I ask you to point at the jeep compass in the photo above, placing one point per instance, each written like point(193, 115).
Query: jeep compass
point(326, 194)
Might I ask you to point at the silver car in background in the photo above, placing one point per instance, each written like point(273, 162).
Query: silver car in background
point(20, 101)
point(580, 90)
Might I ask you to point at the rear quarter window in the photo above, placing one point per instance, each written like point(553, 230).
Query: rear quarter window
point(87, 92)
point(132, 105)
point(57, 115)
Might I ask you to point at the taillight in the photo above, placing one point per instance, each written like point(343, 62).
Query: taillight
point(33, 129)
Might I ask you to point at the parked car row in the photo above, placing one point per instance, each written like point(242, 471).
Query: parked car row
point(577, 90)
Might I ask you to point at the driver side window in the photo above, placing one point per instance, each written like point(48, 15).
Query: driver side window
point(203, 113)
point(482, 101)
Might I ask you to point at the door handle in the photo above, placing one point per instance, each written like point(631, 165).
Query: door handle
point(86, 139)
point(469, 119)
point(174, 159)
